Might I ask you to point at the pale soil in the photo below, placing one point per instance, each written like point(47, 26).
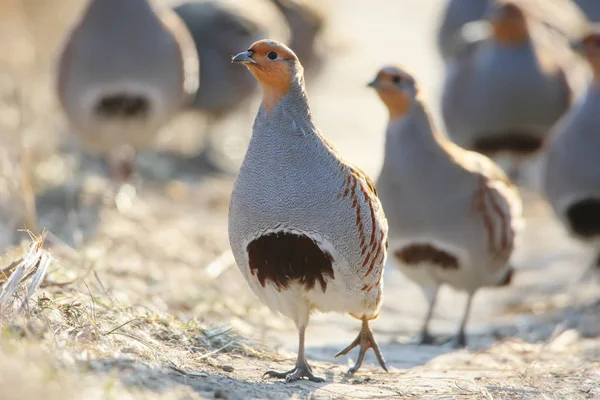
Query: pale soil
point(131, 311)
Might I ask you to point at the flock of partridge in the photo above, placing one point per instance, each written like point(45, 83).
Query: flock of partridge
point(309, 230)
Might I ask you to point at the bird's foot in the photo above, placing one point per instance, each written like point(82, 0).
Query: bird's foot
point(295, 374)
point(365, 340)
point(302, 370)
point(426, 339)
point(459, 341)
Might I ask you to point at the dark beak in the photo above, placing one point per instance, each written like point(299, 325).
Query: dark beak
point(245, 57)
point(373, 84)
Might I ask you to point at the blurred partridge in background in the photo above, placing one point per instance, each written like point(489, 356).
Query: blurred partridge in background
point(220, 29)
point(125, 70)
point(572, 165)
point(504, 95)
point(453, 215)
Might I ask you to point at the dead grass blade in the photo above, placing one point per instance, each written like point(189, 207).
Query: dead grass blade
point(23, 275)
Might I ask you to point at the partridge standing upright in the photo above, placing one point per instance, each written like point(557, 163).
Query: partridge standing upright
point(458, 13)
point(505, 95)
point(453, 214)
point(572, 164)
point(306, 228)
point(125, 70)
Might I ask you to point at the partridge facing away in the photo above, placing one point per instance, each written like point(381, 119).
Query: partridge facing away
point(126, 69)
point(506, 94)
point(219, 30)
point(572, 167)
point(453, 215)
point(591, 9)
point(307, 22)
point(457, 14)
point(306, 228)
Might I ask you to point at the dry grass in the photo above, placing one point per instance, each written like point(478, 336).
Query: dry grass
point(72, 328)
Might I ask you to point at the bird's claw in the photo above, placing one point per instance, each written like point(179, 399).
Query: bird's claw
point(459, 341)
point(297, 373)
point(426, 339)
point(365, 340)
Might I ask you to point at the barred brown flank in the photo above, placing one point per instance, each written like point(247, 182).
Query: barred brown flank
point(369, 202)
point(419, 253)
point(503, 223)
point(479, 204)
point(366, 261)
point(283, 257)
point(373, 261)
point(370, 247)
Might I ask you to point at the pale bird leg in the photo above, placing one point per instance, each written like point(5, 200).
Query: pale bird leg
point(122, 167)
point(302, 369)
point(460, 339)
point(365, 340)
point(424, 336)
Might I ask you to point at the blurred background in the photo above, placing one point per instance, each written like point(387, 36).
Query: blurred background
point(167, 247)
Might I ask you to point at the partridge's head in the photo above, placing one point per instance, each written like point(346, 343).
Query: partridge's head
point(274, 65)
point(396, 88)
point(589, 47)
point(509, 25)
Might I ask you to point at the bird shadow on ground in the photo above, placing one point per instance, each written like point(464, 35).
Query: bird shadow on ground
point(397, 355)
point(208, 384)
point(69, 212)
point(525, 324)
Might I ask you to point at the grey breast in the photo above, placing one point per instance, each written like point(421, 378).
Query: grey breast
point(289, 181)
point(572, 156)
point(499, 90)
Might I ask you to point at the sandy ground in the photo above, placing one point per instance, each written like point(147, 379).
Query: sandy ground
point(131, 309)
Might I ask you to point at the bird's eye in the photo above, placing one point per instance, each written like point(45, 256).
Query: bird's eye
point(272, 55)
point(396, 79)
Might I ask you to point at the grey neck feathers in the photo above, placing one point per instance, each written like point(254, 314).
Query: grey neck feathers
point(415, 131)
point(292, 111)
point(411, 144)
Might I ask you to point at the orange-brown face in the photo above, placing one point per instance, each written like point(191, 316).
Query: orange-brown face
point(273, 65)
point(508, 23)
point(396, 89)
